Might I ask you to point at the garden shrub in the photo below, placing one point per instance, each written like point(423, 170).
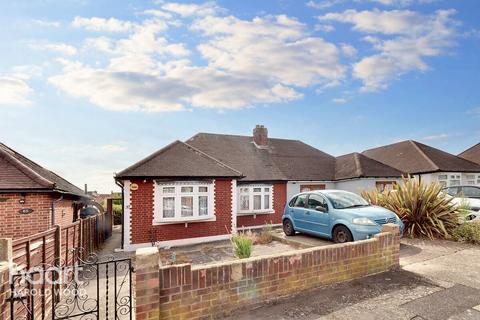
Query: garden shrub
point(265, 235)
point(468, 232)
point(242, 246)
point(424, 209)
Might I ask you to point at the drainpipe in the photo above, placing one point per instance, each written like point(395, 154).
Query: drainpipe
point(118, 183)
point(53, 208)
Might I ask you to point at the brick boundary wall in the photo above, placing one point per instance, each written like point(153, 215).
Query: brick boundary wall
point(191, 292)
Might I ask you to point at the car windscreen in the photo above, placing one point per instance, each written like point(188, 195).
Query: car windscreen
point(344, 200)
point(471, 192)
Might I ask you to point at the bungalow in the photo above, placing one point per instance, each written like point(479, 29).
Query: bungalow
point(472, 154)
point(212, 185)
point(32, 198)
point(427, 163)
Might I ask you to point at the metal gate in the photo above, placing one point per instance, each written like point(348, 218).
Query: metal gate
point(90, 288)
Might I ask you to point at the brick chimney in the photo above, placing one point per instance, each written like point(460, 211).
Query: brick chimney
point(260, 136)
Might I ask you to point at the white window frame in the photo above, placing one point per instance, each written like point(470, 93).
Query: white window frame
point(450, 177)
point(159, 195)
point(250, 187)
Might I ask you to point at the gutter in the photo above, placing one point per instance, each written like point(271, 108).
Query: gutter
point(118, 183)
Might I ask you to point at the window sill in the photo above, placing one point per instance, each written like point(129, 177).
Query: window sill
point(254, 213)
point(186, 221)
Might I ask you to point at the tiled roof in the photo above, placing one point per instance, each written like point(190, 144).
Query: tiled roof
point(415, 157)
point(178, 160)
point(20, 173)
point(472, 154)
point(282, 159)
point(357, 165)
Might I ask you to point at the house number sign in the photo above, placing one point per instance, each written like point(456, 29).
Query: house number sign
point(134, 187)
point(25, 211)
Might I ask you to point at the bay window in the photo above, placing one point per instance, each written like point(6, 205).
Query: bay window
point(254, 198)
point(183, 201)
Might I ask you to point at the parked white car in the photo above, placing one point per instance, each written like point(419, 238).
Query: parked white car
point(465, 195)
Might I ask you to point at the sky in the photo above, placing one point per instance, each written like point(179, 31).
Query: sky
point(88, 87)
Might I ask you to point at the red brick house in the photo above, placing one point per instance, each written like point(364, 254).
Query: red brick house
point(212, 185)
point(32, 198)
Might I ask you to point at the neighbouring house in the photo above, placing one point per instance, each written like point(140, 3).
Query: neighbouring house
point(32, 198)
point(212, 185)
point(427, 163)
point(472, 154)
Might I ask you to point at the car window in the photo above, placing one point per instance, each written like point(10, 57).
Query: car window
point(453, 191)
point(315, 200)
point(344, 200)
point(292, 202)
point(300, 201)
point(471, 192)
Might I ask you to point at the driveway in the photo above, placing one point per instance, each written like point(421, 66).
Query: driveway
point(438, 280)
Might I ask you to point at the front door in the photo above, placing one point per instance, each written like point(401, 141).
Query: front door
point(317, 221)
point(311, 187)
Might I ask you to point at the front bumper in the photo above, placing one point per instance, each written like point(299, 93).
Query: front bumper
point(360, 232)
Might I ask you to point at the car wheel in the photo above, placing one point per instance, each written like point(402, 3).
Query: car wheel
point(288, 228)
point(341, 234)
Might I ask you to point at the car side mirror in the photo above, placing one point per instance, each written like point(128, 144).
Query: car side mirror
point(321, 209)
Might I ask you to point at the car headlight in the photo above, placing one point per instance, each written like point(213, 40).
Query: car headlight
point(364, 221)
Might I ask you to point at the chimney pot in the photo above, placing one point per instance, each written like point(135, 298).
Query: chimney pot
point(260, 135)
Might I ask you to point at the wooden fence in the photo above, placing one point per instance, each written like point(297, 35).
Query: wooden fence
point(55, 246)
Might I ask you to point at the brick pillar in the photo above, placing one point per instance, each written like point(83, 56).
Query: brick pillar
point(5, 264)
point(147, 283)
point(394, 231)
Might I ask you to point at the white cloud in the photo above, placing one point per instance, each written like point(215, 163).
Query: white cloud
point(115, 147)
point(339, 100)
point(348, 50)
point(249, 62)
point(474, 111)
point(14, 91)
point(270, 48)
point(61, 48)
point(324, 27)
point(416, 36)
point(325, 4)
point(442, 136)
point(188, 10)
point(401, 3)
point(26, 72)
point(102, 24)
point(46, 23)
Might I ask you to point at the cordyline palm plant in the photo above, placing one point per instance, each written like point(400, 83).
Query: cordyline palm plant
point(423, 208)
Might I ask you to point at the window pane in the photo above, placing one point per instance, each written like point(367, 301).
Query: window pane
point(187, 189)
point(168, 189)
point(266, 189)
point(169, 207)
point(442, 177)
point(257, 202)
point(202, 189)
point(244, 202)
point(257, 189)
point(202, 205)
point(266, 201)
point(470, 192)
point(470, 176)
point(300, 202)
point(243, 190)
point(315, 201)
point(454, 182)
point(187, 206)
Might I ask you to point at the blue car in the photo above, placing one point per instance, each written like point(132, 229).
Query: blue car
point(335, 214)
